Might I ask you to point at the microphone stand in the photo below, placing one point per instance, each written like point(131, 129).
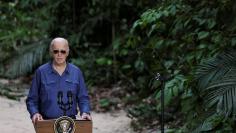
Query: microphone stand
point(65, 106)
point(162, 80)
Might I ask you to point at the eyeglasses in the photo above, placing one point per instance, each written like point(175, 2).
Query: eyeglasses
point(57, 51)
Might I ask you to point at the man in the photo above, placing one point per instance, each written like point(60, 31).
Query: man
point(54, 77)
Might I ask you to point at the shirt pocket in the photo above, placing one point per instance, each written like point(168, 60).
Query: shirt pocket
point(72, 86)
point(48, 89)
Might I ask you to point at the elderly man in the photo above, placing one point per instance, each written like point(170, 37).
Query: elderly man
point(53, 77)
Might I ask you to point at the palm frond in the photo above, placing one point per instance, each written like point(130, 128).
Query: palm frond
point(215, 68)
point(210, 122)
point(25, 60)
point(217, 83)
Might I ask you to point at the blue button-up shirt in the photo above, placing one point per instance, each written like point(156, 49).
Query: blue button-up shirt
point(43, 94)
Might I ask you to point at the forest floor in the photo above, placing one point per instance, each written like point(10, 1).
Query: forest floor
point(15, 118)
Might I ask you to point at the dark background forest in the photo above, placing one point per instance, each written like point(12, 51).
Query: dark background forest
point(121, 45)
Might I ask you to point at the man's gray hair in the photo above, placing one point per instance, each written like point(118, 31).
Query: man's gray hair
point(58, 39)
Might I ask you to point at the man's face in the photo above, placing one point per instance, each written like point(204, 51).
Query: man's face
point(60, 51)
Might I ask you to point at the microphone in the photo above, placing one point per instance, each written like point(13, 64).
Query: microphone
point(69, 95)
point(162, 78)
point(59, 97)
point(64, 106)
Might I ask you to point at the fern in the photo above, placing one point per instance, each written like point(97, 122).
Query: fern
point(217, 83)
point(25, 60)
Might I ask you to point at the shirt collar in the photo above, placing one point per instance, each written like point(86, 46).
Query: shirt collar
point(51, 70)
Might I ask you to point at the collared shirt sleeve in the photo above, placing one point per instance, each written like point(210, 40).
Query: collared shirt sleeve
point(83, 98)
point(32, 101)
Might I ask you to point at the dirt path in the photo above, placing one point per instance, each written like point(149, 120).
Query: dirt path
point(15, 118)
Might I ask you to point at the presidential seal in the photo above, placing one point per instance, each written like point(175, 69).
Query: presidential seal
point(64, 124)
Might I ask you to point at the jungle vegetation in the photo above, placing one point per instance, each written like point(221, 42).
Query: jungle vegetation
point(120, 46)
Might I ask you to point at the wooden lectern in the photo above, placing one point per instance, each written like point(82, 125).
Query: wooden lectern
point(46, 126)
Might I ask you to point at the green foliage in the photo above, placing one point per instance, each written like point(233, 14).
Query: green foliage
point(148, 112)
point(172, 39)
point(22, 38)
point(172, 89)
point(216, 81)
point(103, 61)
point(126, 42)
point(22, 64)
point(211, 123)
point(104, 103)
point(215, 78)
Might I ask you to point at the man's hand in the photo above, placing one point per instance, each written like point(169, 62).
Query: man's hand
point(36, 117)
point(86, 116)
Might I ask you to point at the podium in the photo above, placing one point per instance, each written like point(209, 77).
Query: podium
point(47, 126)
